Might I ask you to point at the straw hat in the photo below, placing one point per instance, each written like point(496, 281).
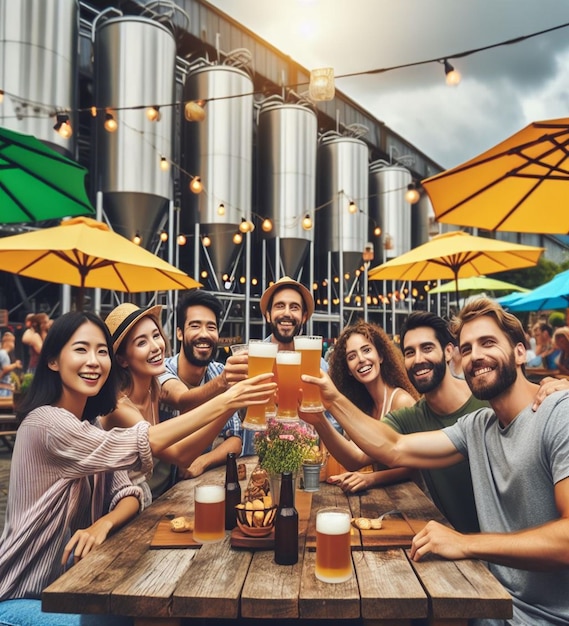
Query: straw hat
point(123, 317)
point(287, 281)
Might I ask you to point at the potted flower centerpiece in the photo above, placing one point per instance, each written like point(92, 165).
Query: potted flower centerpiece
point(312, 464)
point(282, 447)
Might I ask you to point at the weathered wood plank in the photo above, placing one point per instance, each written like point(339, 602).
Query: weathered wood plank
point(462, 589)
point(387, 588)
point(212, 585)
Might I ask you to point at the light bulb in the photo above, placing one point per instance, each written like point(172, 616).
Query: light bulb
point(244, 225)
point(377, 231)
point(242, 280)
point(412, 194)
point(153, 114)
point(137, 239)
point(196, 185)
point(452, 76)
point(267, 225)
point(254, 281)
point(65, 131)
point(164, 165)
point(194, 112)
point(181, 240)
point(110, 123)
point(206, 241)
point(237, 238)
point(221, 209)
point(352, 207)
point(163, 236)
point(307, 222)
point(1, 96)
point(203, 274)
point(93, 111)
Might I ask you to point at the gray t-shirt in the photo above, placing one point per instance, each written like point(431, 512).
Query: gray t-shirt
point(514, 471)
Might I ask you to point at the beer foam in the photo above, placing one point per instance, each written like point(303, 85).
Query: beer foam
point(207, 494)
point(265, 349)
point(333, 523)
point(308, 343)
point(288, 357)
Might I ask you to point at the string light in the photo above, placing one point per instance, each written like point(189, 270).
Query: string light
point(110, 123)
point(221, 209)
point(93, 111)
point(307, 222)
point(164, 165)
point(194, 111)
point(267, 225)
point(153, 114)
point(452, 76)
point(62, 125)
point(163, 236)
point(237, 238)
point(352, 207)
point(181, 240)
point(206, 241)
point(1, 96)
point(377, 231)
point(196, 185)
point(244, 226)
point(412, 195)
point(203, 274)
point(137, 239)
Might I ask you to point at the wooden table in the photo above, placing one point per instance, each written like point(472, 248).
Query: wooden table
point(125, 576)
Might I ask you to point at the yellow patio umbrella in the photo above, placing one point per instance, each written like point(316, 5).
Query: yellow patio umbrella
point(85, 253)
point(520, 185)
point(455, 255)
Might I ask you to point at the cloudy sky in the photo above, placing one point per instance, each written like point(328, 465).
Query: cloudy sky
point(502, 89)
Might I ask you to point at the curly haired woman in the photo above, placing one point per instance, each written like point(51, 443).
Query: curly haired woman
point(368, 369)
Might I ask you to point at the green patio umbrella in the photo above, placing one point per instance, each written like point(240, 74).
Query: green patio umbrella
point(476, 284)
point(37, 183)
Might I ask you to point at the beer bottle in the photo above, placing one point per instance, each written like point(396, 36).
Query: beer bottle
point(286, 525)
point(232, 491)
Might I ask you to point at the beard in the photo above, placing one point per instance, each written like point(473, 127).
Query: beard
point(294, 330)
point(425, 385)
point(504, 376)
point(188, 349)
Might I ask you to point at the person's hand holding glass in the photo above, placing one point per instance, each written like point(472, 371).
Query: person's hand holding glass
point(262, 355)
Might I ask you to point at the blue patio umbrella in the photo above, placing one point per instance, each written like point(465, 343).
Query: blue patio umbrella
point(510, 299)
point(551, 295)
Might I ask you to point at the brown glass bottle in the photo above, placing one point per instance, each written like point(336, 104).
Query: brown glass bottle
point(232, 491)
point(286, 524)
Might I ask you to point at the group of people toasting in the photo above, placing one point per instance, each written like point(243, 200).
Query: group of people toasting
point(95, 444)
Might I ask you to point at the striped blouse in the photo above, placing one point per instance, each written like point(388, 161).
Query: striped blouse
point(50, 495)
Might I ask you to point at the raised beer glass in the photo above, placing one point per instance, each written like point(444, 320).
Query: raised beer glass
point(262, 355)
point(311, 349)
point(333, 549)
point(209, 513)
point(288, 376)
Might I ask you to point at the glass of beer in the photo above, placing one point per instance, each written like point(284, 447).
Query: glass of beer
point(288, 375)
point(209, 513)
point(311, 349)
point(333, 549)
point(262, 355)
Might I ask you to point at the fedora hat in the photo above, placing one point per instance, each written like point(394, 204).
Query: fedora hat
point(287, 282)
point(123, 317)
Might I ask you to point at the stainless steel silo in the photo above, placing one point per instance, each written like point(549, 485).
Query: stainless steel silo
point(38, 58)
point(220, 151)
point(135, 61)
point(388, 184)
point(342, 179)
point(287, 142)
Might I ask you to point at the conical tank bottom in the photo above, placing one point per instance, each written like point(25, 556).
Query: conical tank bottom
point(293, 253)
point(131, 213)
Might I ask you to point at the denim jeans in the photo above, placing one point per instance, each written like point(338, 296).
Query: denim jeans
point(27, 612)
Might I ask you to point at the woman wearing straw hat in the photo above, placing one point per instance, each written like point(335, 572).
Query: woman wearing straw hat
point(140, 349)
point(68, 488)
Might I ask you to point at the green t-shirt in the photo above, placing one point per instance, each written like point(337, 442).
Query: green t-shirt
point(450, 487)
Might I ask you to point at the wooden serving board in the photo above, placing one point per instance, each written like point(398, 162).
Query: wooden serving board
point(164, 537)
point(394, 533)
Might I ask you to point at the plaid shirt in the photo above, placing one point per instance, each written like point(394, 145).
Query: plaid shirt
point(232, 427)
